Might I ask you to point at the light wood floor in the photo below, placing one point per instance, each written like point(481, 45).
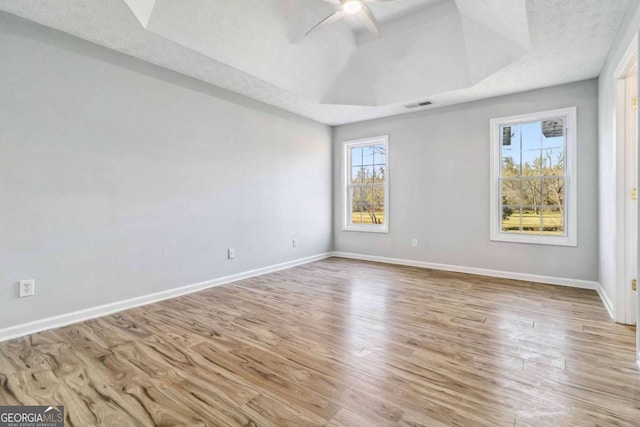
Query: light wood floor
point(339, 343)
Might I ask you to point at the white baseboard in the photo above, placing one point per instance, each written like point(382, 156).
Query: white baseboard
point(574, 283)
point(606, 301)
point(103, 310)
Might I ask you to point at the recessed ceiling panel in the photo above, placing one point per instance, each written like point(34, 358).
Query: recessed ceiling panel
point(429, 48)
point(262, 38)
point(412, 63)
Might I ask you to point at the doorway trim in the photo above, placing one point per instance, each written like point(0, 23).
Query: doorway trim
point(624, 297)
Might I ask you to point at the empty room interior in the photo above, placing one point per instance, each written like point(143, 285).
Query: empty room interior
point(319, 213)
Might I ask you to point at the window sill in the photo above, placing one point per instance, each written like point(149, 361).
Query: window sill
point(535, 240)
point(367, 229)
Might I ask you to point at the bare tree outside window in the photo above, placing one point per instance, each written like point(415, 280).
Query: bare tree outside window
point(533, 189)
point(366, 184)
point(368, 174)
point(533, 181)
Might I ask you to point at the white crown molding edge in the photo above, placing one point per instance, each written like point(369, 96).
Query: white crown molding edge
point(549, 280)
point(58, 321)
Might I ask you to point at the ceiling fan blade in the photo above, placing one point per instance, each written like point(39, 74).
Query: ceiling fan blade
point(369, 21)
point(326, 21)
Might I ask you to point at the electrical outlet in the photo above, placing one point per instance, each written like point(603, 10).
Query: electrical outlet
point(231, 254)
point(27, 288)
point(295, 243)
point(414, 243)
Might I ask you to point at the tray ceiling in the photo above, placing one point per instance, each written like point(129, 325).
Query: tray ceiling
point(445, 51)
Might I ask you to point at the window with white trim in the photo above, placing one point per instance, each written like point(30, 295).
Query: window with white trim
point(366, 184)
point(533, 178)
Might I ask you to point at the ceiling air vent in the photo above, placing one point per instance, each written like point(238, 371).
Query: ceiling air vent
point(419, 104)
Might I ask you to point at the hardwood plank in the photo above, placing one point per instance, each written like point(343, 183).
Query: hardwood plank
point(272, 412)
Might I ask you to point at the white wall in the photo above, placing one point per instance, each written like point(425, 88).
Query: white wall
point(610, 188)
point(120, 179)
point(439, 187)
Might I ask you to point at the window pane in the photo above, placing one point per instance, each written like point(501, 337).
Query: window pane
point(367, 211)
point(357, 175)
point(378, 203)
point(531, 217)
point(510, 138)
point(531, 136)
point(356, 205)
point(511, 219)
point(368, 174)
point(510, 163)
point(380, 155)
point(373, 211)
point(557, 143)
point(511, 192)
point(553, 220)
point(531, 196)
point(553, 162)
point(366, 179)
point(373, 214)
point(531, 163)
point(356, 156)
point(367, 195)
point(380, 172)
point(532, 192)
point(370, 216)
point(553, 133)
point(553, 191)
point(367, 155)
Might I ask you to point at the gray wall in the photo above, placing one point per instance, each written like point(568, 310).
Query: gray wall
point(612, 189)
point(120, 179)
point(439, 187)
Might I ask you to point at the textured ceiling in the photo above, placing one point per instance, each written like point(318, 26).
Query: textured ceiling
point(446, 51)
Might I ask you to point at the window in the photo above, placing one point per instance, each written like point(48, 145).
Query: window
point(366, 185)
point(533, 178)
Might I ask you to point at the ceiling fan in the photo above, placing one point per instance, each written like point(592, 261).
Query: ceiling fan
point(357, 8)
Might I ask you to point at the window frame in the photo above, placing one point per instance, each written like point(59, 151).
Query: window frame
point(347, 225)
point(570, 158)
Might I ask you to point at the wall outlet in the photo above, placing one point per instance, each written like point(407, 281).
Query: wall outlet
point(414, 243)
point(295, 243)
point(231, 254)
point(27, 288)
